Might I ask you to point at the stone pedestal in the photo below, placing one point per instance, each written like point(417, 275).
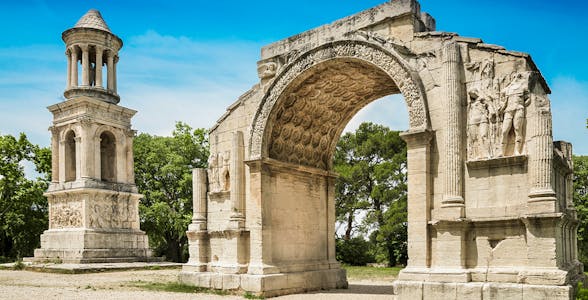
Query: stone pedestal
point(91, 225)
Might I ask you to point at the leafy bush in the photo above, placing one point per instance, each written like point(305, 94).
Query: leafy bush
point(355, 251)
point(582, 292)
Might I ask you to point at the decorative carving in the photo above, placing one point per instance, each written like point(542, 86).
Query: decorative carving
point(516, 95)
point(309, 119)
point(267, 70)
point(389, 69)
point(213, 180)
point(111, 212)
point(66, 213)
point(496, 113)
point(219, 172)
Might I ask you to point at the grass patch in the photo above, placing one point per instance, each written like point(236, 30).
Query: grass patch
point(176, 287)
point(248, 295)
point(18, 265)
point(357, 272)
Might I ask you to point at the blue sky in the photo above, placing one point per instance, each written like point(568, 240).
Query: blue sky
point(189, 60)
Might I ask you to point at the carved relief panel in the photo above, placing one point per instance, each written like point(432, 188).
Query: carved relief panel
point(65, 213)
point(496, 112)
point(111, 212)
point(219, 177)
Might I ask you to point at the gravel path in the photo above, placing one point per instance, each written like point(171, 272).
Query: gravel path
point(123, 285)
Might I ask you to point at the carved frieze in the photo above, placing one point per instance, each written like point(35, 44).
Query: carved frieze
point(111, 212)
point(496, 112)
point(65, 213)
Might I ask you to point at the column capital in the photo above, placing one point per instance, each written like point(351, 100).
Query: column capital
point(84, 47)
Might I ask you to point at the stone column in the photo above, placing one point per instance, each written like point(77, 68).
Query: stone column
point(237, 181)
point(78, 158)
point(198, 243)
point(55, 151)
point(258, 220)
point(85, 65)
point(86, 153)
point(74, 67)
point(199, 206)
point(110, 71)
point(331, 220)
point(453, 205)
point(419, 185)
point(68, 55)
point(542, 197)
point(130, 157)
point(62, 161)
point(99, 52)
point(114, 87)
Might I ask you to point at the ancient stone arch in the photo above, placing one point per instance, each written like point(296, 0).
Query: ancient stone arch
point(334, 63)
point(489, 208)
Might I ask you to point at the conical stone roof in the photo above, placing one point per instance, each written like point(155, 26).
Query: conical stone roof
point(92, 19)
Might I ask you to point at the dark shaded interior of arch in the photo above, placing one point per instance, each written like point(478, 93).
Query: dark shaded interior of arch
point(312, 112)
point(107, 157)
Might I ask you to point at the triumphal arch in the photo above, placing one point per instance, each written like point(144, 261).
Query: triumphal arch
point(489, 192)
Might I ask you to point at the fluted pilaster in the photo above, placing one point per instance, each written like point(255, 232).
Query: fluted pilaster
point(238, 179)
point(453, 171)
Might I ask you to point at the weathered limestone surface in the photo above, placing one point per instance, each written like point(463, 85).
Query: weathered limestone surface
point(489, 209)
point(93, 200)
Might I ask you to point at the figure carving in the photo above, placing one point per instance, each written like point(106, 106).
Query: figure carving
point(66, 215)
point(224, 175)
point(267, 70)
point(496, 107)
point(213, 180)
point(478, 126)
point(516, 96)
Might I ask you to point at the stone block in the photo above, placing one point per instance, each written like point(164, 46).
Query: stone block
point(408, 290)
point(498, 291)
point(470, 291)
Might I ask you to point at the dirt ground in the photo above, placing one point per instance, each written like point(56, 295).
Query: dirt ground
point(123, 285)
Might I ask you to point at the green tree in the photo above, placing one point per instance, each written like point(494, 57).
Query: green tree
point(581, 203)
point(371, 163)
point(163, 173)
point(23, 208)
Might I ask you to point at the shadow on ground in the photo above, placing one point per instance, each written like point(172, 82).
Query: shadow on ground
point(359, 288)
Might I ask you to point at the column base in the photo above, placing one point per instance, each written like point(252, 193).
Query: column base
point(93, 246)
point(269, 285)
point(410, 290)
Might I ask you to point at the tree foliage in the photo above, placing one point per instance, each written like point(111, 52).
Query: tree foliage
point(23, 208)
point(163, 173)
point(581, 203)
point(371, 163)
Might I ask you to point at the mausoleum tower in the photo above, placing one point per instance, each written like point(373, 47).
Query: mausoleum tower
point(91, 46)
point(93, 200)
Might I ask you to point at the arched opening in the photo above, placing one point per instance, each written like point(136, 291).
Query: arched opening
point(301, 136)
point(293, 139)
point(315, 109)
point(370, 190)
point(107, 157)
point(70, 156)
